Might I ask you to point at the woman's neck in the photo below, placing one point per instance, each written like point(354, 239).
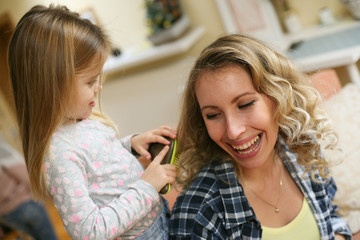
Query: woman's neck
point(265, 173)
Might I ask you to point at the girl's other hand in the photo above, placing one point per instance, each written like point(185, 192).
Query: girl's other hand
point(159, 175)
point(140, 143)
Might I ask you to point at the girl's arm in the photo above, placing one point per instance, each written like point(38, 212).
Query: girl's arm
point(113, 202)
point(104, 217)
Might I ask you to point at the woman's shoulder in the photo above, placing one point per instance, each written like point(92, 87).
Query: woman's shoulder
point(207, 200)
point(206, 186)
point(210, 175)
point(199, 197)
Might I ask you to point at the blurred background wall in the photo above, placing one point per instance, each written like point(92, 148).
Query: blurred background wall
point(149, 95)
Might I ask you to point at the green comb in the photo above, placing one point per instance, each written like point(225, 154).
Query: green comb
point(170, 157)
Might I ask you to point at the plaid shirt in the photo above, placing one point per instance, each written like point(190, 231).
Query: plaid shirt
point(215, 206)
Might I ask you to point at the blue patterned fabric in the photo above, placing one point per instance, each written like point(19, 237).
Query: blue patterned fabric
point(214, 206)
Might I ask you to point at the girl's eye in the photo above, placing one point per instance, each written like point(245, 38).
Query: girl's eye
point(247, 104)
point(92, 83)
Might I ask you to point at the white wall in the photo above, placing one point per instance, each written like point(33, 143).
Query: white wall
point(149, 96)
point(123, 20)
point(148, 99)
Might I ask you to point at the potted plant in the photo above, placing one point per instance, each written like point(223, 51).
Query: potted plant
point(165, 20)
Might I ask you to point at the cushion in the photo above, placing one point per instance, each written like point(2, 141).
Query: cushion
point(326, 81)
point(343, 109)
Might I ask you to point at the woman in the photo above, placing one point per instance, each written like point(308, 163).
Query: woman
point(251, 161)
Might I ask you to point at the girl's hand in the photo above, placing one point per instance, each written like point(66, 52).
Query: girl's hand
point(339, 237)
point(159, 175)
point(140, 143)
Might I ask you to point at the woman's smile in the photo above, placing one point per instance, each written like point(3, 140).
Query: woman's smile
point(246, 147)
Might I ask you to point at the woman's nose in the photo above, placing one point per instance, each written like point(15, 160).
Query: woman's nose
point(235, 126)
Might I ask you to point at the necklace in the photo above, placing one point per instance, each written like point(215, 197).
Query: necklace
point(276, 205)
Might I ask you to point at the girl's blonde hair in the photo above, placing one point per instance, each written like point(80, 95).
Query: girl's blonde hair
point(300, 123)
point(49, 47)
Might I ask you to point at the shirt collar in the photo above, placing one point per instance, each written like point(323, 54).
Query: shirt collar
point(236, 207)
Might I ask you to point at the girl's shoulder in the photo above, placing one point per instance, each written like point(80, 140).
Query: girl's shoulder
point(86, 131)
point(87, 126)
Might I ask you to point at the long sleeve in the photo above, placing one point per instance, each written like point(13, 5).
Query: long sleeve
point(95, 183)
point(339, 225)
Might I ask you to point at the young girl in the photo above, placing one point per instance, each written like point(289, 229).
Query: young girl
point(73, 154)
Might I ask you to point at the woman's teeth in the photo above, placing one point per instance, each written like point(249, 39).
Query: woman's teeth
point(248, 144)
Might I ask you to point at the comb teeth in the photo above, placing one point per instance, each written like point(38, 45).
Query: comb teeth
point(174, 155)
point(174, 161)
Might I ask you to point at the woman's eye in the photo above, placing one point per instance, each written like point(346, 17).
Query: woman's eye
point(247, 104)
point(212, 116)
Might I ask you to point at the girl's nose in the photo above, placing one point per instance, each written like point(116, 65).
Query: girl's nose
point(98, 88)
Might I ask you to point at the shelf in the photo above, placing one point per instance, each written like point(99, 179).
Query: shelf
point(320, 30)
point(334, 46)
point(140, 55)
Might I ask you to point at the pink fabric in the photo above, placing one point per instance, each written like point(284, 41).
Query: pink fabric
point(326, 82)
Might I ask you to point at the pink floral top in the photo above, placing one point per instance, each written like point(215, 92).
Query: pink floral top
point(95, 183)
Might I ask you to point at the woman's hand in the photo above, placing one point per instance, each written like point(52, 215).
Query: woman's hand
point(159, 175)
point(140, 143)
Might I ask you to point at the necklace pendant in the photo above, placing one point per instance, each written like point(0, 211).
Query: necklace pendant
point(277, 210)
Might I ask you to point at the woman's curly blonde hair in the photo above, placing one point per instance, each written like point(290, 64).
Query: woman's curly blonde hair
point(301, 125)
